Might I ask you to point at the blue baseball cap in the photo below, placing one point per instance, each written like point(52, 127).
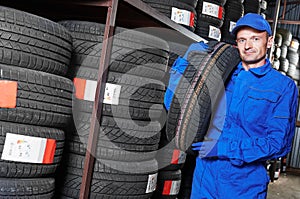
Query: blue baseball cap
point(252, 20)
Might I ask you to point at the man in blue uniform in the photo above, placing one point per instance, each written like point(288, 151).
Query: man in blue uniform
point(256, 124)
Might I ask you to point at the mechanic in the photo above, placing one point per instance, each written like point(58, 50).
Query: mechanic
point(256, 124)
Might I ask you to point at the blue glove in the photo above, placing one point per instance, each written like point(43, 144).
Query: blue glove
point(206, 148)
point(176, 72)
point(199, 46)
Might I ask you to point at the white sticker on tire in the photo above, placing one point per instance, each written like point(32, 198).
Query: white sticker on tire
point(214, 33)
point(183, 17)
point(171, 187)
point(152, 180)
point(212, 10)
point(112, 94)
point(232, 25)
point(22, 148)
point(90, 90)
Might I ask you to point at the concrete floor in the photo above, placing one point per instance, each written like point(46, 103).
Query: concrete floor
point(286, 187)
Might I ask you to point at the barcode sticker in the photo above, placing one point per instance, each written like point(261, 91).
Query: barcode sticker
point(232, 25)
point(86, 90)
point(22, 148)
point(112, 94)
point(178, 157)
point(171, 187)
point(214, 33)
point(183, 17)
point(152, 181)
point(212, 10)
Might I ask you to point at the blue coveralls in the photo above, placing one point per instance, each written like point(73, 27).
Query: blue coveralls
point(259, 125)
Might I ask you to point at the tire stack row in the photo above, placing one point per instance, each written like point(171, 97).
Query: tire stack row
point(36, 102)
point(211, 14)
point(129, 128)
point(234, 11)
point(286, 54)
point(170, 161)
point(180, 11)
point(293, 57)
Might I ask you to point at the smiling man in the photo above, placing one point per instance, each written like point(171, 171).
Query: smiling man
point(258, 113)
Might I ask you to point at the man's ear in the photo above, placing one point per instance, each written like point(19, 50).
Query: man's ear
point(270, 41)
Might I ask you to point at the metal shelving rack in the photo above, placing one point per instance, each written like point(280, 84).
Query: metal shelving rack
point(132, 13)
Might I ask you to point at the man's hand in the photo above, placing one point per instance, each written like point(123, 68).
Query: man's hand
point(206, 148)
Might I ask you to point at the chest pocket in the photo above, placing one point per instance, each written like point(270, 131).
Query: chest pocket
point(259, 105)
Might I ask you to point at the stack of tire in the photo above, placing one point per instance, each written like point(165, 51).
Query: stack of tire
point(170, 161)
point(180, 11)
point(283, 39)
point(36, 102)
point(210, 19)
point(293, 57)
point(263, 8)
point(234, 11)
point(129, 134)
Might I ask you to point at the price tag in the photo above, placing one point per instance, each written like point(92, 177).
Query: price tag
point(152, 180)
point(178, 157)
point(171, 187)
point(112, 94)
point(214, 33)
point(212, 10)
point(232, 24)
point(22, 148)
point(8, 94)
point(183, 17)
point(86, 90)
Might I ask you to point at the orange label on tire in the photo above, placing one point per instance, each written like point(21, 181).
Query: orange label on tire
point(8, 94)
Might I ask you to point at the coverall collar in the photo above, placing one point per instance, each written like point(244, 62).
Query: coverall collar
point(260, 71)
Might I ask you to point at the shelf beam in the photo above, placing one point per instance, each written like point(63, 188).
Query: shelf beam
point(97, 108)
point(163, 19)
point(285, 21)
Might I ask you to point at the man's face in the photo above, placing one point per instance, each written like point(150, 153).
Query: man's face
point(252, 45)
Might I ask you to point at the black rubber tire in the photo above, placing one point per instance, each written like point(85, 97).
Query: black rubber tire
point(234, 10)
point(191, 107)
point(212, 20)
point(140, 97)
point(286, 36)
point(20, 169)
point(110, 183)
point(251, 6)
point(119, 139)
point(284, 51)
point(42, 98)
point(33, 42)
point(276, 64)
point(277, 52)
point(133, 52)
point(293, 57)
point(30, 188)
point(169, 157)
point(192, 3)
point(168, 185)
point(284, 64)
point(294, 46)
point(165, 7)
point(204, 30)
point(263, 5)
point(278, 40)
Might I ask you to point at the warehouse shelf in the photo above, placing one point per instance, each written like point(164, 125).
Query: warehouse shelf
point(125, 13)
